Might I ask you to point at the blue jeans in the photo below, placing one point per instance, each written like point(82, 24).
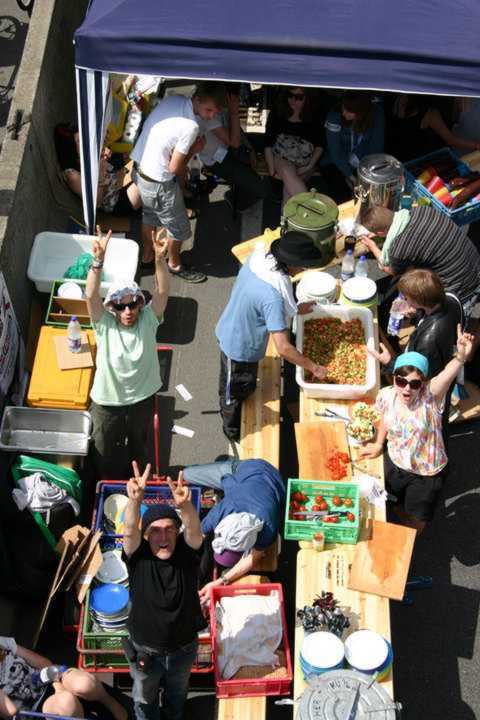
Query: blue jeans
point(210, 475)
point(170, 673)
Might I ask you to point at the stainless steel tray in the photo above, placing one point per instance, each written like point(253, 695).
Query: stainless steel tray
point(50, 432)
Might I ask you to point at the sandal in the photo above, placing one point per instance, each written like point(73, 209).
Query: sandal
point(188, 274)
point(193, 213)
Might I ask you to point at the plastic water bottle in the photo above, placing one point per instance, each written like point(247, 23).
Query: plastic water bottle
point(397, 313)
point(348, 266)
point(74, 335)
point(361, 268)
point(48, 675)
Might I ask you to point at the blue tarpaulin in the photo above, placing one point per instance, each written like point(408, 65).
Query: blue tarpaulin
point(413, 45)
point(426, 46)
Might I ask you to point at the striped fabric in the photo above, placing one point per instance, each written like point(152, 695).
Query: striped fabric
point(431, 240)
point(93, 99)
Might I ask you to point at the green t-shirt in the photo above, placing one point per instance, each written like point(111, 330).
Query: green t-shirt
point(127, 363)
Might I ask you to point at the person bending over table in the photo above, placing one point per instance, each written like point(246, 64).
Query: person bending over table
point(246, 521)
point(411, 424)
point(425, 238)
point(127, 372)
point(261, 303)
point(165, 614)
point(75, 693)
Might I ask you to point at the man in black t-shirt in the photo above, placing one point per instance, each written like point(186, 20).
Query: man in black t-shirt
point(165, 614)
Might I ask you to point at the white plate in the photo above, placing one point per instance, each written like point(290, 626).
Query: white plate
point(365, 650)
point(70, 290)
point(316, 284)
point(113, 504)
point(112, 569)
point(359, 289)
point(322, 650)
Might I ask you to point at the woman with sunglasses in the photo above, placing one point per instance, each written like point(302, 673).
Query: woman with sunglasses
point(127, 374)
point(411, 424)
point(292, 141)
point(354, 129)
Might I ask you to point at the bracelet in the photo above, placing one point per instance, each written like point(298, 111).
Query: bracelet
point(460, 360)
point(97, 263)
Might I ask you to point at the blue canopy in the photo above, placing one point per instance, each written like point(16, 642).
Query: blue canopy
point(425, 46)
point(428, 46)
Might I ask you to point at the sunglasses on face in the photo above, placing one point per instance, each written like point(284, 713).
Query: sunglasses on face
point(119, 307)
point(402, 382)
point(296, 96)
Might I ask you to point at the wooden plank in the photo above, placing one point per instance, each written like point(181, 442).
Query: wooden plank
point(260, 425)
point(315, 443)
point(328, 570)
point(380, 565)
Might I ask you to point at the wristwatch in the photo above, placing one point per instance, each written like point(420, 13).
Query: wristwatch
point(97, 263)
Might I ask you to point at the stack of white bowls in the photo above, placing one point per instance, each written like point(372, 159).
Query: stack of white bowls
point(320, 652)
point(317, 286)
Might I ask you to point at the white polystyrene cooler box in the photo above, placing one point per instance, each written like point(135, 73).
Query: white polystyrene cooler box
point(327, 390)
point(52, 253)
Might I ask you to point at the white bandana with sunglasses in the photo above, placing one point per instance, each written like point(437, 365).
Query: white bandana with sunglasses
point(120, 289)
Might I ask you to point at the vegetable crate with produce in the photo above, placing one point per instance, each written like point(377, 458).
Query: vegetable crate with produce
point(320, 505)
point(447, 183)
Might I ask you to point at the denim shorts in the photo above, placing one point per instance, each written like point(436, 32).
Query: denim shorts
point(163, 205)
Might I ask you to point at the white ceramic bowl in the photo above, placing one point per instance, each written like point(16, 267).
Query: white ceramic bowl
point(359, 289)
point(365, 650)
point(317, 286)
point(112, 569)
point(70, 290)
point(322, 650)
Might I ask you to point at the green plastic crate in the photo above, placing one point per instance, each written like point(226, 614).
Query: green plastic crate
point(110, 644)
point(342, 532)
point(75, 307)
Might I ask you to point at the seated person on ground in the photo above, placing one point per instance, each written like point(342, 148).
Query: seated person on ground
point(71, 696)
point(127, 372)
point(246, 521)
point(292, 140)
point(112, 197)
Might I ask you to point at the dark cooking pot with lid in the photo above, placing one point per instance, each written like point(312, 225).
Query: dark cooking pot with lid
point(315, 215)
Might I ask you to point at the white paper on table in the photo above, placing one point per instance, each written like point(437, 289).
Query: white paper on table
point(183, 392)
point(183, 431)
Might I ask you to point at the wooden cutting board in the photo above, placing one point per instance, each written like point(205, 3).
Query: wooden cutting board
point(315, 443)
point(380, 565)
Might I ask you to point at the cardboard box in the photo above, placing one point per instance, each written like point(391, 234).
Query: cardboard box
point(80, 560)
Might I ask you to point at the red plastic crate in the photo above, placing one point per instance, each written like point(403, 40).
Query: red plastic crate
point(256, 686)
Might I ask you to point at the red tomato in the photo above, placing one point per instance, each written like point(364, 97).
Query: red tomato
point(318, 498)
point(315, 508)
point(335, 519)
point(298, 496)
point(337, 501)
point(323, 505)
point(351, 517)
point(343, 457)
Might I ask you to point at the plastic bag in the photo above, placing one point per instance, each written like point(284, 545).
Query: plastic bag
point(65, 478)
